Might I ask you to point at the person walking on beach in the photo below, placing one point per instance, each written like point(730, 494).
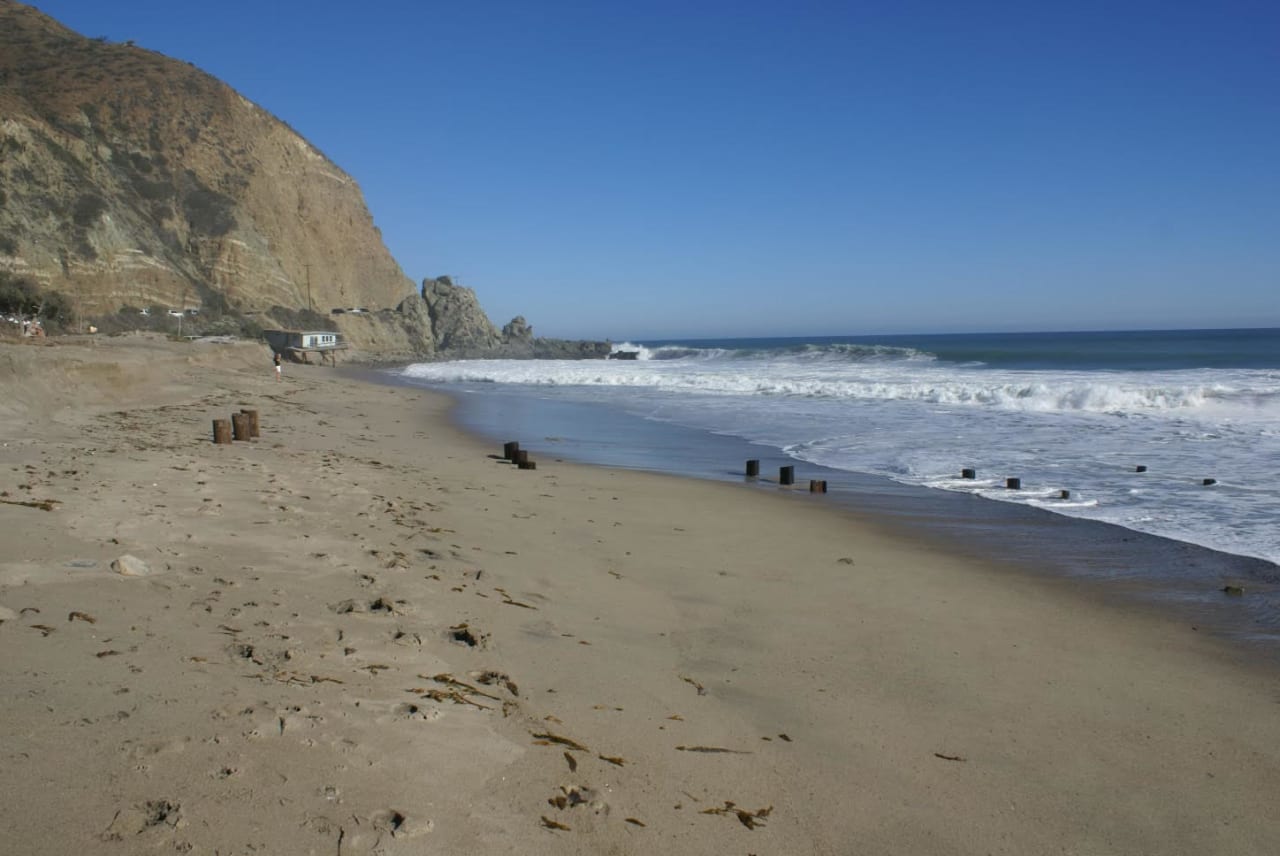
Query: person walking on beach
point(276, 360)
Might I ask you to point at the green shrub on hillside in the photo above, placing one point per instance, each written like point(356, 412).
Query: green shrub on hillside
point(20, 296)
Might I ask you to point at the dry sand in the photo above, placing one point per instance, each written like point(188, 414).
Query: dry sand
point(360, 633)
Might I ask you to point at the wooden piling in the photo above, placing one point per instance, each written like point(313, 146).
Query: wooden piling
point(527, 464)
point(509, 450)
point(222, 432)
point(753, 468)
point(253, 422)
point(1013, 484)
point(817, 486)
point(1140, 468)
point(786, 475)
point(1208, 482)
point(968, 473)
point(240, 428)
point(521, 457)
point(1065, 494)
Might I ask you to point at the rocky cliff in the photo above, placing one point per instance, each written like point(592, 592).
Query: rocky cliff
point(128, 178)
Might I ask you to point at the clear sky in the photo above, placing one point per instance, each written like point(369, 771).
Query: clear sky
point(656, 169)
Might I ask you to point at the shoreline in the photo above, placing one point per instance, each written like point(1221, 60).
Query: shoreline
point(296, 672)
point(1121, 564)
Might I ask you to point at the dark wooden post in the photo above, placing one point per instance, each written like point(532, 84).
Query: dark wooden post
point(240, 426)
point(753, 468)
point(521, 456)
point(1066, 494)
point(1208, 482)
point(509, 450)
point(787, 475)
point(968, 473)
point(1140, 468)
point(1013, 484)
point(222, 431)
point(817, 485)
point(527, 464)
point(253, 422)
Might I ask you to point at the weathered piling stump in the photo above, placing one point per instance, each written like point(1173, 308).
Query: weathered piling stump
point(1140, 468)
point(1208, 482)
point(240, 429)
point(786, 475)
point(527, 464)
point(1013, 484)
point(509, 450)
point(253, 422)
point(521, 457)
point(222, 432)
point(1064, 494)
point(817, 485)
point(753, 468)
point(968, 473)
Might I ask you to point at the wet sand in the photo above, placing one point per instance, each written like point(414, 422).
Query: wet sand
point(362, 633)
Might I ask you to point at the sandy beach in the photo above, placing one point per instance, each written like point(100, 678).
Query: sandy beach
point(361, 632)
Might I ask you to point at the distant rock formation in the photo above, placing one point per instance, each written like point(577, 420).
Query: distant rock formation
point(517, 332)
point(457, 321)
point(461, 329)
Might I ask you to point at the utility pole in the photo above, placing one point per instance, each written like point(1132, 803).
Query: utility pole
point(310, 305)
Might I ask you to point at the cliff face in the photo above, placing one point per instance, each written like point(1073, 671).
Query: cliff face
point(128, 178)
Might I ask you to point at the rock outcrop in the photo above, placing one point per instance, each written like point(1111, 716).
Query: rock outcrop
point(457, 321)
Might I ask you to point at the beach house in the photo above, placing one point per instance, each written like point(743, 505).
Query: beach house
point(302, 343)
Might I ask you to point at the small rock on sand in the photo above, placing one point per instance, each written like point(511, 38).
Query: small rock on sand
point(131, 566)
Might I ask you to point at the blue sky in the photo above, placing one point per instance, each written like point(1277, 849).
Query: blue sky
point(659, 169)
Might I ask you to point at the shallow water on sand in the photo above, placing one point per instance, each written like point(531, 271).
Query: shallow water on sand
point(1152, 570)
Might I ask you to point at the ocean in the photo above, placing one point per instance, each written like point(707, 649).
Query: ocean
point(1172, 434)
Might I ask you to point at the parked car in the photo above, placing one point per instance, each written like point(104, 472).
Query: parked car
point(144, 311)
point(175, 313)
point(193, 312)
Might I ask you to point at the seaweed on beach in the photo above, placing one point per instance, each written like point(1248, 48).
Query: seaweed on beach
point(749, 819)
point(548, 737)
point(452, 682)
point(697, 686)
point(42, 504)
point(713, 750)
